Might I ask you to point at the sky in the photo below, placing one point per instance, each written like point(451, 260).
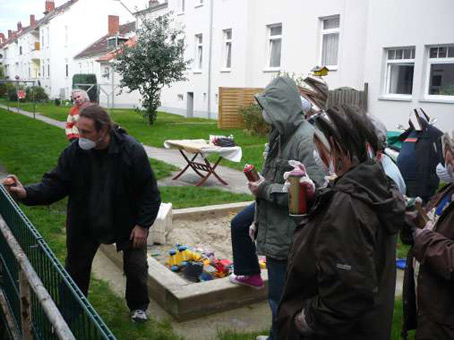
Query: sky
point(13, 11)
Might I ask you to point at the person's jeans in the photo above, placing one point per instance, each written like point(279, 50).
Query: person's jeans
point(245, 261)
point(276, 275)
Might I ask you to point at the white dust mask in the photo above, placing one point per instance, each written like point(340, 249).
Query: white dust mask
point(86, 144)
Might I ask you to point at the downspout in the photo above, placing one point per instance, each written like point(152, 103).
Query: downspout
point(209, 58)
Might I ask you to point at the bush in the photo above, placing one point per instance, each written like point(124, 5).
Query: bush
point(6, 89)
point(36, 93)
point(253, 120)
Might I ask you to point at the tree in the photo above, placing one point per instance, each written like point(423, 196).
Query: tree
point(155, 61)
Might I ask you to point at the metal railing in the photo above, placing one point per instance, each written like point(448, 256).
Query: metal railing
point(30, 270)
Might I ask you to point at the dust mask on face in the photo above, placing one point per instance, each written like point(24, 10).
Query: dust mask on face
point(266, 117)
point(86, 144)
point(318, 160)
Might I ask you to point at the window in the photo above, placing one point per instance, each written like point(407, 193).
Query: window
point(42, 62)
point(20, 50)
point(330, 42)
point(227, 49)
point(199, 51)
point(399, 70)
point(441, 71)
point(198, 3)
point(48, 69)
point(67, 71)
point(274, 45)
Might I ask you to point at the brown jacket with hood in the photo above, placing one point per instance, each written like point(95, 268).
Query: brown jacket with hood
point(435, 299)
point(341, 266)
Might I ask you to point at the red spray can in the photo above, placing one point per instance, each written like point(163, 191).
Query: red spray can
point(251, 173)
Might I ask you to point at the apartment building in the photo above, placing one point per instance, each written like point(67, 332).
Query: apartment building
point(404, 50)
point(98, 57)
point(44, 51)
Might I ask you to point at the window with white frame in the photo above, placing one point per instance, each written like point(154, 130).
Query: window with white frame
point(274, 45)
point(198, 3)
point(199, 51)
point(400, 64)
point(441, 71)
point(330, 33)
point(227, 63)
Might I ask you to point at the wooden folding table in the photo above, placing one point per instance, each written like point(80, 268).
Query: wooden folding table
point(203, 148)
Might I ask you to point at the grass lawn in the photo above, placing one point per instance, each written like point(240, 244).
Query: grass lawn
point(167, 126)
point(29, 148)
point(50, 109)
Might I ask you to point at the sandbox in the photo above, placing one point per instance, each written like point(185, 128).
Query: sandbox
point(207, 228)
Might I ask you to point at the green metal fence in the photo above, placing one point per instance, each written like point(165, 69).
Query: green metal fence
point(78, 313)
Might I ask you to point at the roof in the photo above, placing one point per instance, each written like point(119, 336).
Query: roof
point(101, 47)
point(112, 54)
point(44, 20)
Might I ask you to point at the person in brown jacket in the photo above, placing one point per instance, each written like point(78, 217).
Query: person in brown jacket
point(429, 300)
point(340, 279)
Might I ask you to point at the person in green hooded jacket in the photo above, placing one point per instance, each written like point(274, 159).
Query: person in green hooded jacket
point(291, 138)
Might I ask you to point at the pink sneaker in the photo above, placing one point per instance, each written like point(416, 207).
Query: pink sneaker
point(254, 281)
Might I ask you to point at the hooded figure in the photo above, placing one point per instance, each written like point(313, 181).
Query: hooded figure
point(291, 138)
point(340, 279)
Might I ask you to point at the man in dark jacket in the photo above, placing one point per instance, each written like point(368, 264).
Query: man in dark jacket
point(112, 198)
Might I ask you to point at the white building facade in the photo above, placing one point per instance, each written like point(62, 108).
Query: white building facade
point(235, 43)
point(45, 52)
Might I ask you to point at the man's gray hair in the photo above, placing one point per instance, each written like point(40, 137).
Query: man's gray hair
point(82, 92)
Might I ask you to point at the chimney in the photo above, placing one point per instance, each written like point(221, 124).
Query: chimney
point(50, 6)
point(19, 26)
point(2, 38)
point(152, 3)
point(114, 24)
point(10, 34)
point(32, 21)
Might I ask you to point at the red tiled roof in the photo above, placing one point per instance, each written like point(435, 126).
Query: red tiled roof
point(100, 47)
point(112, 54)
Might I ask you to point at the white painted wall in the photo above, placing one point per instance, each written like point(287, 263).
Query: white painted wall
point(404, 23)
point(248, 20)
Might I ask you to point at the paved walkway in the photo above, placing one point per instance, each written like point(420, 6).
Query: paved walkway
point(235, 179)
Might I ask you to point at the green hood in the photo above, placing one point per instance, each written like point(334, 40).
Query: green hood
point(281, 100)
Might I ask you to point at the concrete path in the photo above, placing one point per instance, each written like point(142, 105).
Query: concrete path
point(235, 179)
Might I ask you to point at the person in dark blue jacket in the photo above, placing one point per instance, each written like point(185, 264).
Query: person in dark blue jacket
point(419, 156)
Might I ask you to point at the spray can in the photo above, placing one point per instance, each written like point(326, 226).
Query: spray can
point(297, 204)
point(172, 258)
point(251, 173)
